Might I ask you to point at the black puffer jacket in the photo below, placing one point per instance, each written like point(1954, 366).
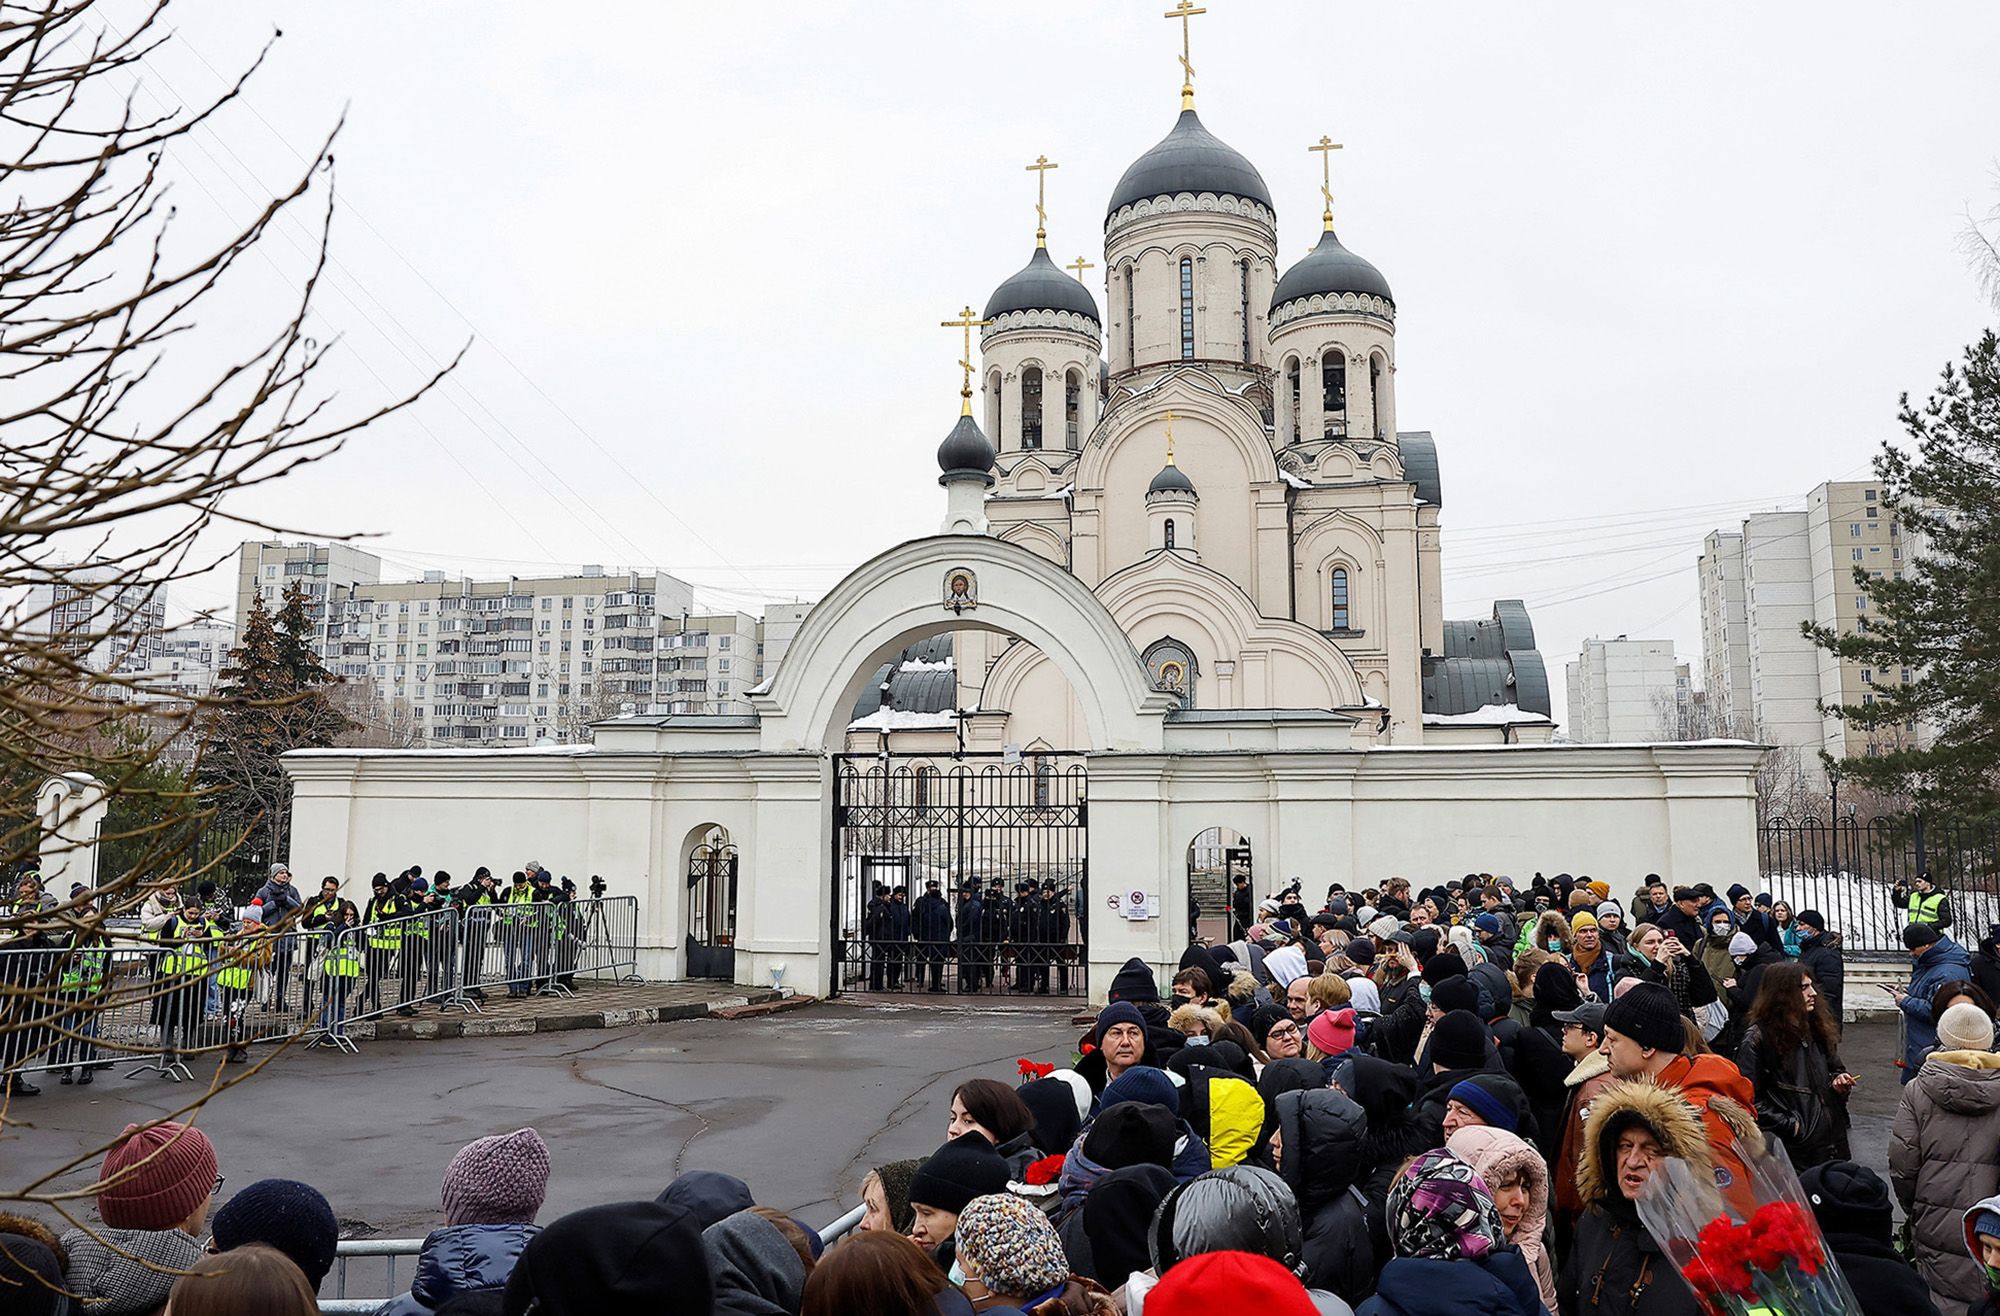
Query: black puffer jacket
point(1536, 1061)
point(1883, 1283)
point(1391, 1136)
point(1320, 1132)
point(1820, 956)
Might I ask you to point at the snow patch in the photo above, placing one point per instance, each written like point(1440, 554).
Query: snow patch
point(926, 665)
point(1293, 480)
point(898, 719)
point(1489, 715)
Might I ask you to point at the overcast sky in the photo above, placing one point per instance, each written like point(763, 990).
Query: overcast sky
point(1654, 268)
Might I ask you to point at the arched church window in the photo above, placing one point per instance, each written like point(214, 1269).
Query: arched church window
point(1259, 394)
point(1131, 331)
point(1187, 308)
point(1072, 408)
point(1333, 385)
point(1292, 404)
point(993, 405)
point(1170, 532)
point(1342, 616)
point(1043, 775)
point(1244, 272)
point(1171, 667)
point(1375, 397)
point(1031, 407)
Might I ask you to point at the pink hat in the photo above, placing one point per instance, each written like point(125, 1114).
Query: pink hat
point(1332, 1031)
point(499, 1180)
point(156, 1176)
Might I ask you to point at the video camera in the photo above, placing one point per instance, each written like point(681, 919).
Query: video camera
point(597, 887)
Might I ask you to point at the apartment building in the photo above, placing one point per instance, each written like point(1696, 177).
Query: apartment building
point(1624, 690)
point(111, 623)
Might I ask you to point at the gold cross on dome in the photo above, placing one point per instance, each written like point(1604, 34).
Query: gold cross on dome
point(1170, 438)
point(1184, 11)
point(1040, 169)
point(968, 322)
point(1079, 265)
point(1327, 146)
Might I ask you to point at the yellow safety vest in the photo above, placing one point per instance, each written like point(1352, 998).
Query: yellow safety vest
point(522, 895)
point(235, 977)
point(387, 934)
point(343, 961)
point(1925, 909)
point(86, 970)
point(187, 959)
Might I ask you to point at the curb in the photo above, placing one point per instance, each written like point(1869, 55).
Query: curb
point(748, 1005)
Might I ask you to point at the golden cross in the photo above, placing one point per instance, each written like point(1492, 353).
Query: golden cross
point(968, 322)
point(1170, 438)
point(1040, 169)
point(1079, 265)
point(1184, 11)
point(1327, 146)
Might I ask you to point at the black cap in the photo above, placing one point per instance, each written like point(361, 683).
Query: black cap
point(1919, 935)
point(1849, 1199)
point(1647, 1014)
point(1589, 1017)
point(381, 879)
point(964, 1168)
point(1685, 893)
point(1811, 918)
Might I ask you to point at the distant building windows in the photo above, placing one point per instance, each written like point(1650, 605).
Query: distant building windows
point(1869, 495)
point(1854, 530)
point(1187, 308)
point(1342, 617)
point(1857, 554)
point(1874, 512)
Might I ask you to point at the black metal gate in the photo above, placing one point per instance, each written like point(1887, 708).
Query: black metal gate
point(961, 873)
point(1215, 859)
point(1857, 872)
point(711, 912)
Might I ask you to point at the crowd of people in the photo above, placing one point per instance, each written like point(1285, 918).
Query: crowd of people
point(1441, 1103)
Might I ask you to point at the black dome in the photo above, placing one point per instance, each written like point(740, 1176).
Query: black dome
point(965, 451)
point(1331, 268)
point(1190, 159)
point(1041, 286)
point(1171, 479)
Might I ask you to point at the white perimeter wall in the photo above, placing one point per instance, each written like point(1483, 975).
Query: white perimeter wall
point(1616, 812)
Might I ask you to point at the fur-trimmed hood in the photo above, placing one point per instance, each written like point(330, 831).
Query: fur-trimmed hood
point(1671, 1120)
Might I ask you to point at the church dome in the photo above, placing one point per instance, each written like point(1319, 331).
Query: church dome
point(1171, 479)
point(1330, 269)
point(1190, 159)
point(966, 451)
point(1041, 286)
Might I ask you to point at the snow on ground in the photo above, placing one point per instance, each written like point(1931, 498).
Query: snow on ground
point(1859, 907)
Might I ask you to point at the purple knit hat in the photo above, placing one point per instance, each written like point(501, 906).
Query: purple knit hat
point(1440, 1208)
point(499, 1180)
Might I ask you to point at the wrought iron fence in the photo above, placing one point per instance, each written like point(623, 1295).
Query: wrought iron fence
point(76, 1008)
point(1857, 873)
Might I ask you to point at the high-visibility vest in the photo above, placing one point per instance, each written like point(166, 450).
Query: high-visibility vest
point(388, 933)
point(235, 977)
point(1925, 909)
point(343, 961)
point(523, 895)
point(187, 958)
point(85, 972)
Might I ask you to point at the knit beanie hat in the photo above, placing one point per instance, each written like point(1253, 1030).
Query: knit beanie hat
point(1849, 1199)
point(1488, 1106)
point(290, 1216)
point(1438, 1208)
point(621, 1259)
point(1919, 935)
point(1458, 1041)
point(1487, 923)
point(1013, 1245)
point(1332, 1031)
point(1439, 967)
point(155, 1176)
point(1611, 907)
point(1740, 944)
point(1965, 1027)
point(1053, 1104)
point(31, 1283)
point(1810, 918)
point(710, 1196)
point(1555, 987)
point(1229, 1281)
point(1455, 994)
point(1118, 1012)
point(962, 1169)
point(1737, 891)
point(1142, 1083)
point(1134, 982)
point(1583, 918)
point(1360, 951)
point(1601, 890)
point(1648, 1015)
point(499, 1180)
point(1132, 1133)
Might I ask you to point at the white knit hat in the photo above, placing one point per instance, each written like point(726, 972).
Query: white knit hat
point(1965, 1027)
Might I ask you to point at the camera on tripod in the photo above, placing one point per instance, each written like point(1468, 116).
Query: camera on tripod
point(596, 887)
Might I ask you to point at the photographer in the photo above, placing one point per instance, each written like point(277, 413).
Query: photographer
point(481, 890)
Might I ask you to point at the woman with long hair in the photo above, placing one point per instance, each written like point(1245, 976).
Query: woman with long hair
point(885, 1274)
point(1791, 1055)
point(1783, 919)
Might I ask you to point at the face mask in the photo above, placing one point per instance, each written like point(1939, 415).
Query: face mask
point(1555, 943)
point(1197, 1041)
point(955, 1275)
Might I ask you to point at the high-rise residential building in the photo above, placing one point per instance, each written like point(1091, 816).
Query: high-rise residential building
point(264, 568)
point(1797, 569)
point(1623, 690)
point(109, 621)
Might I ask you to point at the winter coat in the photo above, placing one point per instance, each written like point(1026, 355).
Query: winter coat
point(1591, 1076)
point(931, 918)
point(1536, 1062)
point(1883, 1283)
point(1942, 963)
point(1498, 1156)
point(279, 902)
point(460, 1259)
point(1394, 1036)
point(1944, 1155)
point(756, 1270)
point(1226, 1112)
point(1243, 1209)
point(1715, 957)
point(109, 1270)
point(1795, 1097)
point(1820, 956)
point(1495, 1285)
point(1320, 1160)
point(1615, 1268)
point(1985, 970)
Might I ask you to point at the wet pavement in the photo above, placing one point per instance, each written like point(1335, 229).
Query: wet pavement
point(798, 1104)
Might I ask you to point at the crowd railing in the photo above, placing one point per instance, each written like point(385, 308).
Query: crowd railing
point(104, 997)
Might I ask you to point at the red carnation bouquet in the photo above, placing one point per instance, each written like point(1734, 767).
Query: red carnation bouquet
point(1030, 1071)
point(1749, 1248)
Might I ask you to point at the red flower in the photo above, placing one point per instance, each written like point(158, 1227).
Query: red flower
point(1045, 1171)
point(1030, 1070)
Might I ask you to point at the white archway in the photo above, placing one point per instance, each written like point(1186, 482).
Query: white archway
point(906, 594)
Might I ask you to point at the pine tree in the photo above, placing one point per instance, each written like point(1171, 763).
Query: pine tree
point(273, 700)
point(1939, 618)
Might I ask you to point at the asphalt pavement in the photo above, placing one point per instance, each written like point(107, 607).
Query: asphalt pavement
point(800, 1105)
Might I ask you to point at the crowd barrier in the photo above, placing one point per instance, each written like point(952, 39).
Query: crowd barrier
point(119, 997)
point(391, 1251)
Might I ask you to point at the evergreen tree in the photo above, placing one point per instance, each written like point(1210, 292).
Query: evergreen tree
point(1939, 617)
point(273, 699)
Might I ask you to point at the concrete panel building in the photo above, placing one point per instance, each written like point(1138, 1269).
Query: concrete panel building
point(1627, 691)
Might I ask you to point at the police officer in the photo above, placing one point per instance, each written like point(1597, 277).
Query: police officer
point(482, 890)
point(874, 933)
point(930, 920)
point(1928, 905)
point(1027, 935)
point(970, 966)
point(1055, 926)
point(187, 944)
point(898, 935)
point(996, 921)
point(340, 963)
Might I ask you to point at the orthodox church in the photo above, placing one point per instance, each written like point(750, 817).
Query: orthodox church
point(1215, 454)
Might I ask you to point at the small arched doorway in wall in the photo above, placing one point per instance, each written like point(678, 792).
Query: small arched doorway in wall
point(711, 905)
point(1222, 886)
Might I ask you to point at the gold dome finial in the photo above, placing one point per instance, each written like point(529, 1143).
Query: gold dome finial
point(1170, 438)
point(968, 322)
point(1326, 147)
point(1040, 169)
point(1184, 11)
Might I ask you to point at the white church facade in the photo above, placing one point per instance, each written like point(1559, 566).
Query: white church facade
point(1188, 583)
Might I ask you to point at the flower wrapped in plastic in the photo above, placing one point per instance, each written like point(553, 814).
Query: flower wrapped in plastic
point(1750, 1248)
